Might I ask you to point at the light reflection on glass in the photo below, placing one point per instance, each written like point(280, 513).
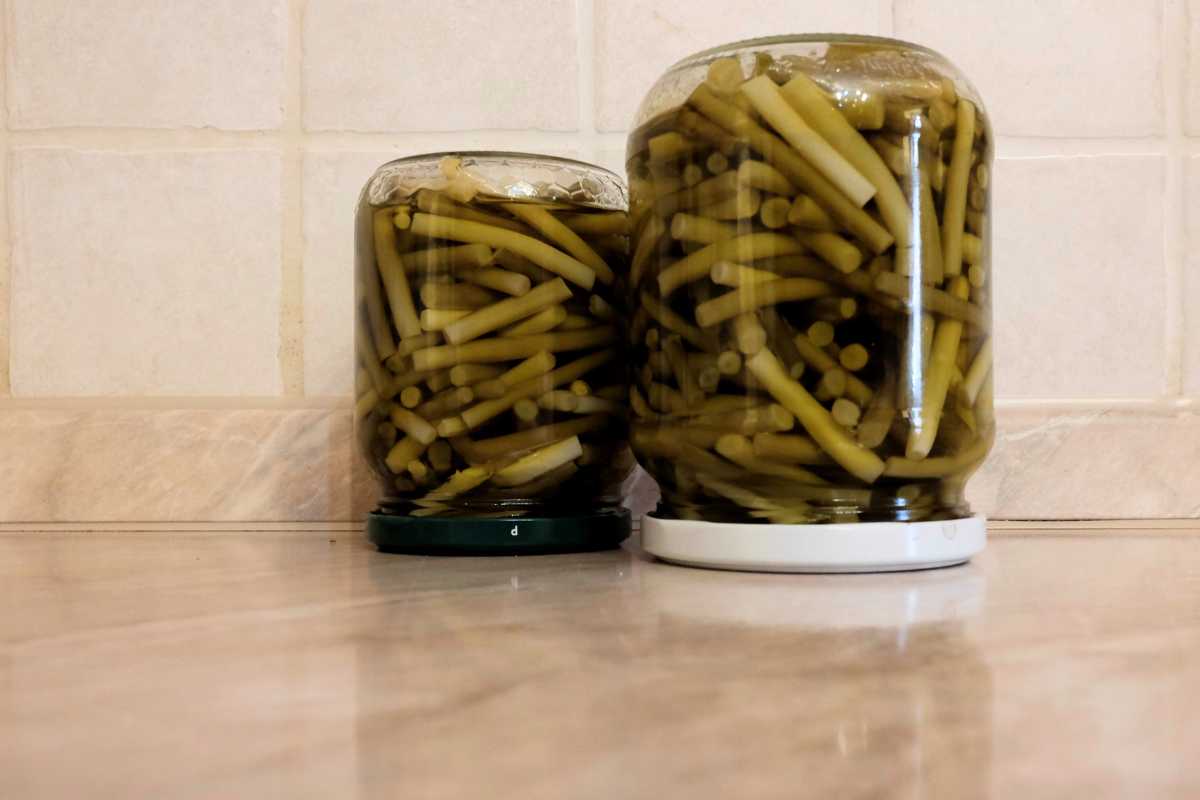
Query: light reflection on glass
point(914, 358)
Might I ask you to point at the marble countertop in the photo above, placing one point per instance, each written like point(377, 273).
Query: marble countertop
point(194, 664)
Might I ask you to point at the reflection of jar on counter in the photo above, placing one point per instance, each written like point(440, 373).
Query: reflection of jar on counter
point(877, 685)
point(811, 277)
point(491, 382)
point(466, 674)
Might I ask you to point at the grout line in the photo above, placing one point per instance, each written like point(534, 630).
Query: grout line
point(85, 138)
point(291, 289)
point(233, 402)
point(175, 403)
point(133, 139)
point(6, 288)
point(585, 18)
point(1043, 147)
point(1174, 27)
point(137, 527)
point(1091, 404)
point(1102, 526)
point(610, 139)
point(425, 141)
point(1163, 526)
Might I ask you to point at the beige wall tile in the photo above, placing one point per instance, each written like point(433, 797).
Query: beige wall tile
point(5, 319)
point(1191, 82)
point(1078, 252)
point(4, 323)
point(158, 465)
point(636, 40)
point(408, 65)
point(1191, 278)
point(1051, 68)
point(128, 63)
point(332, 182)
point(1050, 464)
point(5, 281)
point(154, 273)
point(1054, 464)
point(220, 465)
point(612, 158)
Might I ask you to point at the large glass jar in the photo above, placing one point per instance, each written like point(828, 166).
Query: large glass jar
point(492, 378)
point(811, 280)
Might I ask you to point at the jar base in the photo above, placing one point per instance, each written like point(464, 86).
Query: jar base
point(482, 536)
point(857, 547)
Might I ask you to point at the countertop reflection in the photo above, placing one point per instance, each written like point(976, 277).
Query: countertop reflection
point(197, 665)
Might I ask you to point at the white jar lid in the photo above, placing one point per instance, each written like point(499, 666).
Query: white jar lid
point(855, 547)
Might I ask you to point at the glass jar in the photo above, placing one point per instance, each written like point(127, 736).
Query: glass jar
point(811, 278)
point(491, 373)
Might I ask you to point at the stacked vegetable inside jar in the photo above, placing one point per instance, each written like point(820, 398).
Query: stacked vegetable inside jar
point(810, 278)
point(491, 378)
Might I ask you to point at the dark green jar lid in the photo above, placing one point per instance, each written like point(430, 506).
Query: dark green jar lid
point(597, 530)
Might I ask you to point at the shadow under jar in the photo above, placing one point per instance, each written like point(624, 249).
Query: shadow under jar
point(811, 280)
point(491, 377)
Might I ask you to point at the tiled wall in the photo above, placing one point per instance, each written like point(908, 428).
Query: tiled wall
point(179, 179)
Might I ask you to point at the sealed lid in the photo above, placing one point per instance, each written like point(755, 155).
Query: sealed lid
point(598, 530)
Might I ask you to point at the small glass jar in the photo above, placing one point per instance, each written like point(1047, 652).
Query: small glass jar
point(812, 278)
point(491, 373)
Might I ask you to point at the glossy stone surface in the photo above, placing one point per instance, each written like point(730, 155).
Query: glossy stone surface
point(303, 664)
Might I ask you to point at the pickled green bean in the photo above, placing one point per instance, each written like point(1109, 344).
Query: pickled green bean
point(833, 438)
